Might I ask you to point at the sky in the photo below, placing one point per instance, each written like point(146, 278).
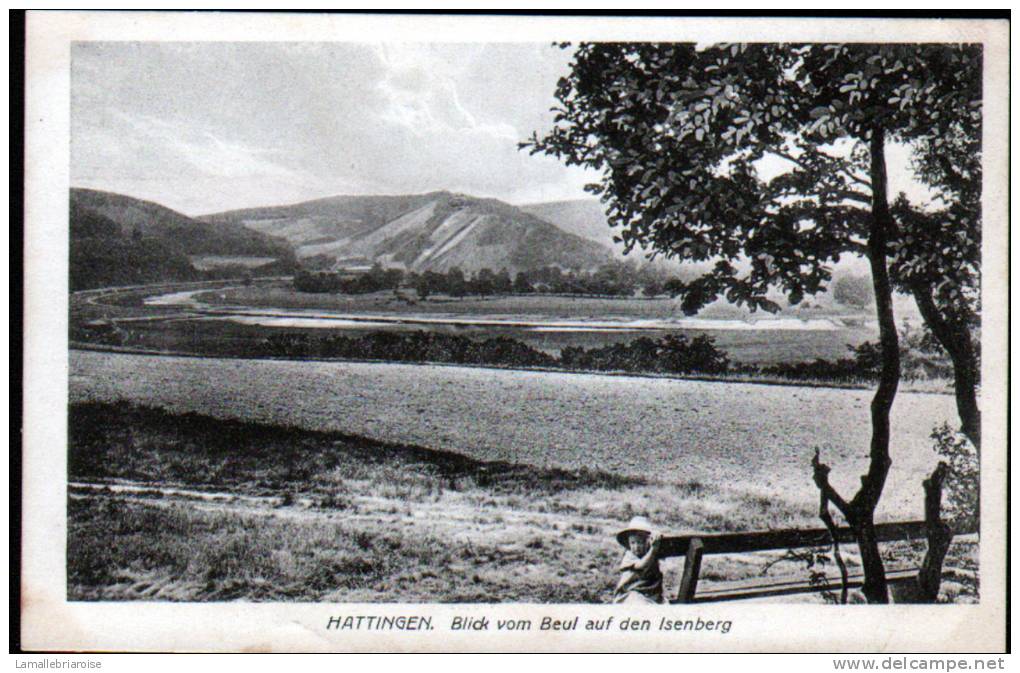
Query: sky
point(206, 127)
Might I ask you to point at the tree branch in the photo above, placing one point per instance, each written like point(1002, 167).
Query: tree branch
point(789, 157)
point(851, 195)
point(821, 477)
point(830, 525)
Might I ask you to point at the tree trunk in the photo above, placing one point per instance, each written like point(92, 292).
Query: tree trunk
point(860, 511)
point(875, 587)
point(955, 338)
point(861, 514)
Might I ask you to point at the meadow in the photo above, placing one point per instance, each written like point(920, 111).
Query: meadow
point(754, 340)
point(205, 478)
point(281, 294)
point(187, 507)
point(755, 437)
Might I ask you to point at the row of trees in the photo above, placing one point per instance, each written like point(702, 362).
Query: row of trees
point(375, 279)
point(671, 354)
point(614, 279)
point(679, 133)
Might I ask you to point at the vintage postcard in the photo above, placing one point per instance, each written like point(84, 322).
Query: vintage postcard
point(514, 333)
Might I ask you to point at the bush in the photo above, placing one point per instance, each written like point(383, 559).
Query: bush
point(671, 354)
point(863, 365)
point(921, 358)
point(921, 355)
point(962, 508)
point(409, 347)
point(856, 291)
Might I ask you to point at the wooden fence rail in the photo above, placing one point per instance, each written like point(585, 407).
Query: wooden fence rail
point(694, 547)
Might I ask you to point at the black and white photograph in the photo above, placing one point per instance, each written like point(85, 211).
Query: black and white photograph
point(668, 329)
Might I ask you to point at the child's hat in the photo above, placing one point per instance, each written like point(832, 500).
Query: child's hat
point(638, 524)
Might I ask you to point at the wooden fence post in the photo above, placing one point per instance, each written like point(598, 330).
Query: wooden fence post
point(692, 568)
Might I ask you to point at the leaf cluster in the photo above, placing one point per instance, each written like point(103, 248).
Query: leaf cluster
point(687, 140)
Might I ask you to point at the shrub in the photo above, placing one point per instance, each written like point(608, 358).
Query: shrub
point(921, 358)
point(963, 496)
point(855, 291)
point(672, 354)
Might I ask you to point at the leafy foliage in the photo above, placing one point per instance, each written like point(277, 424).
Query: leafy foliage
point(673, 354)
point(611, 279)
point(853, 291)
point(375, 279)
point(963, 508)
point(680, 134)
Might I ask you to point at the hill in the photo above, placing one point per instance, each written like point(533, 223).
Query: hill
point(581, 217)
point(587, 219)
point(120, 240)
point(434, 231)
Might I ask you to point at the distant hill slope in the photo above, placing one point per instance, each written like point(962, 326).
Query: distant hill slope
point(120, 240)
point(194, 237)
point(586, 218)
point(581, 217)
point(434, 231)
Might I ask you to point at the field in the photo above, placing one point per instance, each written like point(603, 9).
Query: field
point(217, 479)
point(752, 339)
point(166, 507)
point(331, 517)
point(662, 429)
point(282, 295)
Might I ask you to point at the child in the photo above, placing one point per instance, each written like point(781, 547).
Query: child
point(640, 576)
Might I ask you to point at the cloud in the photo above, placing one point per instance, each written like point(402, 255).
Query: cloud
point(206, 153)
point(216, 126)
point(421, 95)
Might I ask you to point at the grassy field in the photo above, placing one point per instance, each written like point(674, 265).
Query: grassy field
point(221, 336)
point(753, 437)
point(188, 507)
point(283, 295)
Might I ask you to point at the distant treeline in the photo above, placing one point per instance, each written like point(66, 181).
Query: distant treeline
point(375, 280)
point(672, 354)
point(615, 279)
point(669, 354)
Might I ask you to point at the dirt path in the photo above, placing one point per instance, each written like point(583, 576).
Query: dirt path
point(455, 514)
point(509, 541)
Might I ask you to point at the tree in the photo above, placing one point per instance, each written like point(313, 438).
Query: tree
point(853, 291)
point(522, 285)
point(484, 282)
point(937, 260)
point(502, 282)
point(456, 284)
point(424, 285)
point(769, 161)
point(652, 288)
